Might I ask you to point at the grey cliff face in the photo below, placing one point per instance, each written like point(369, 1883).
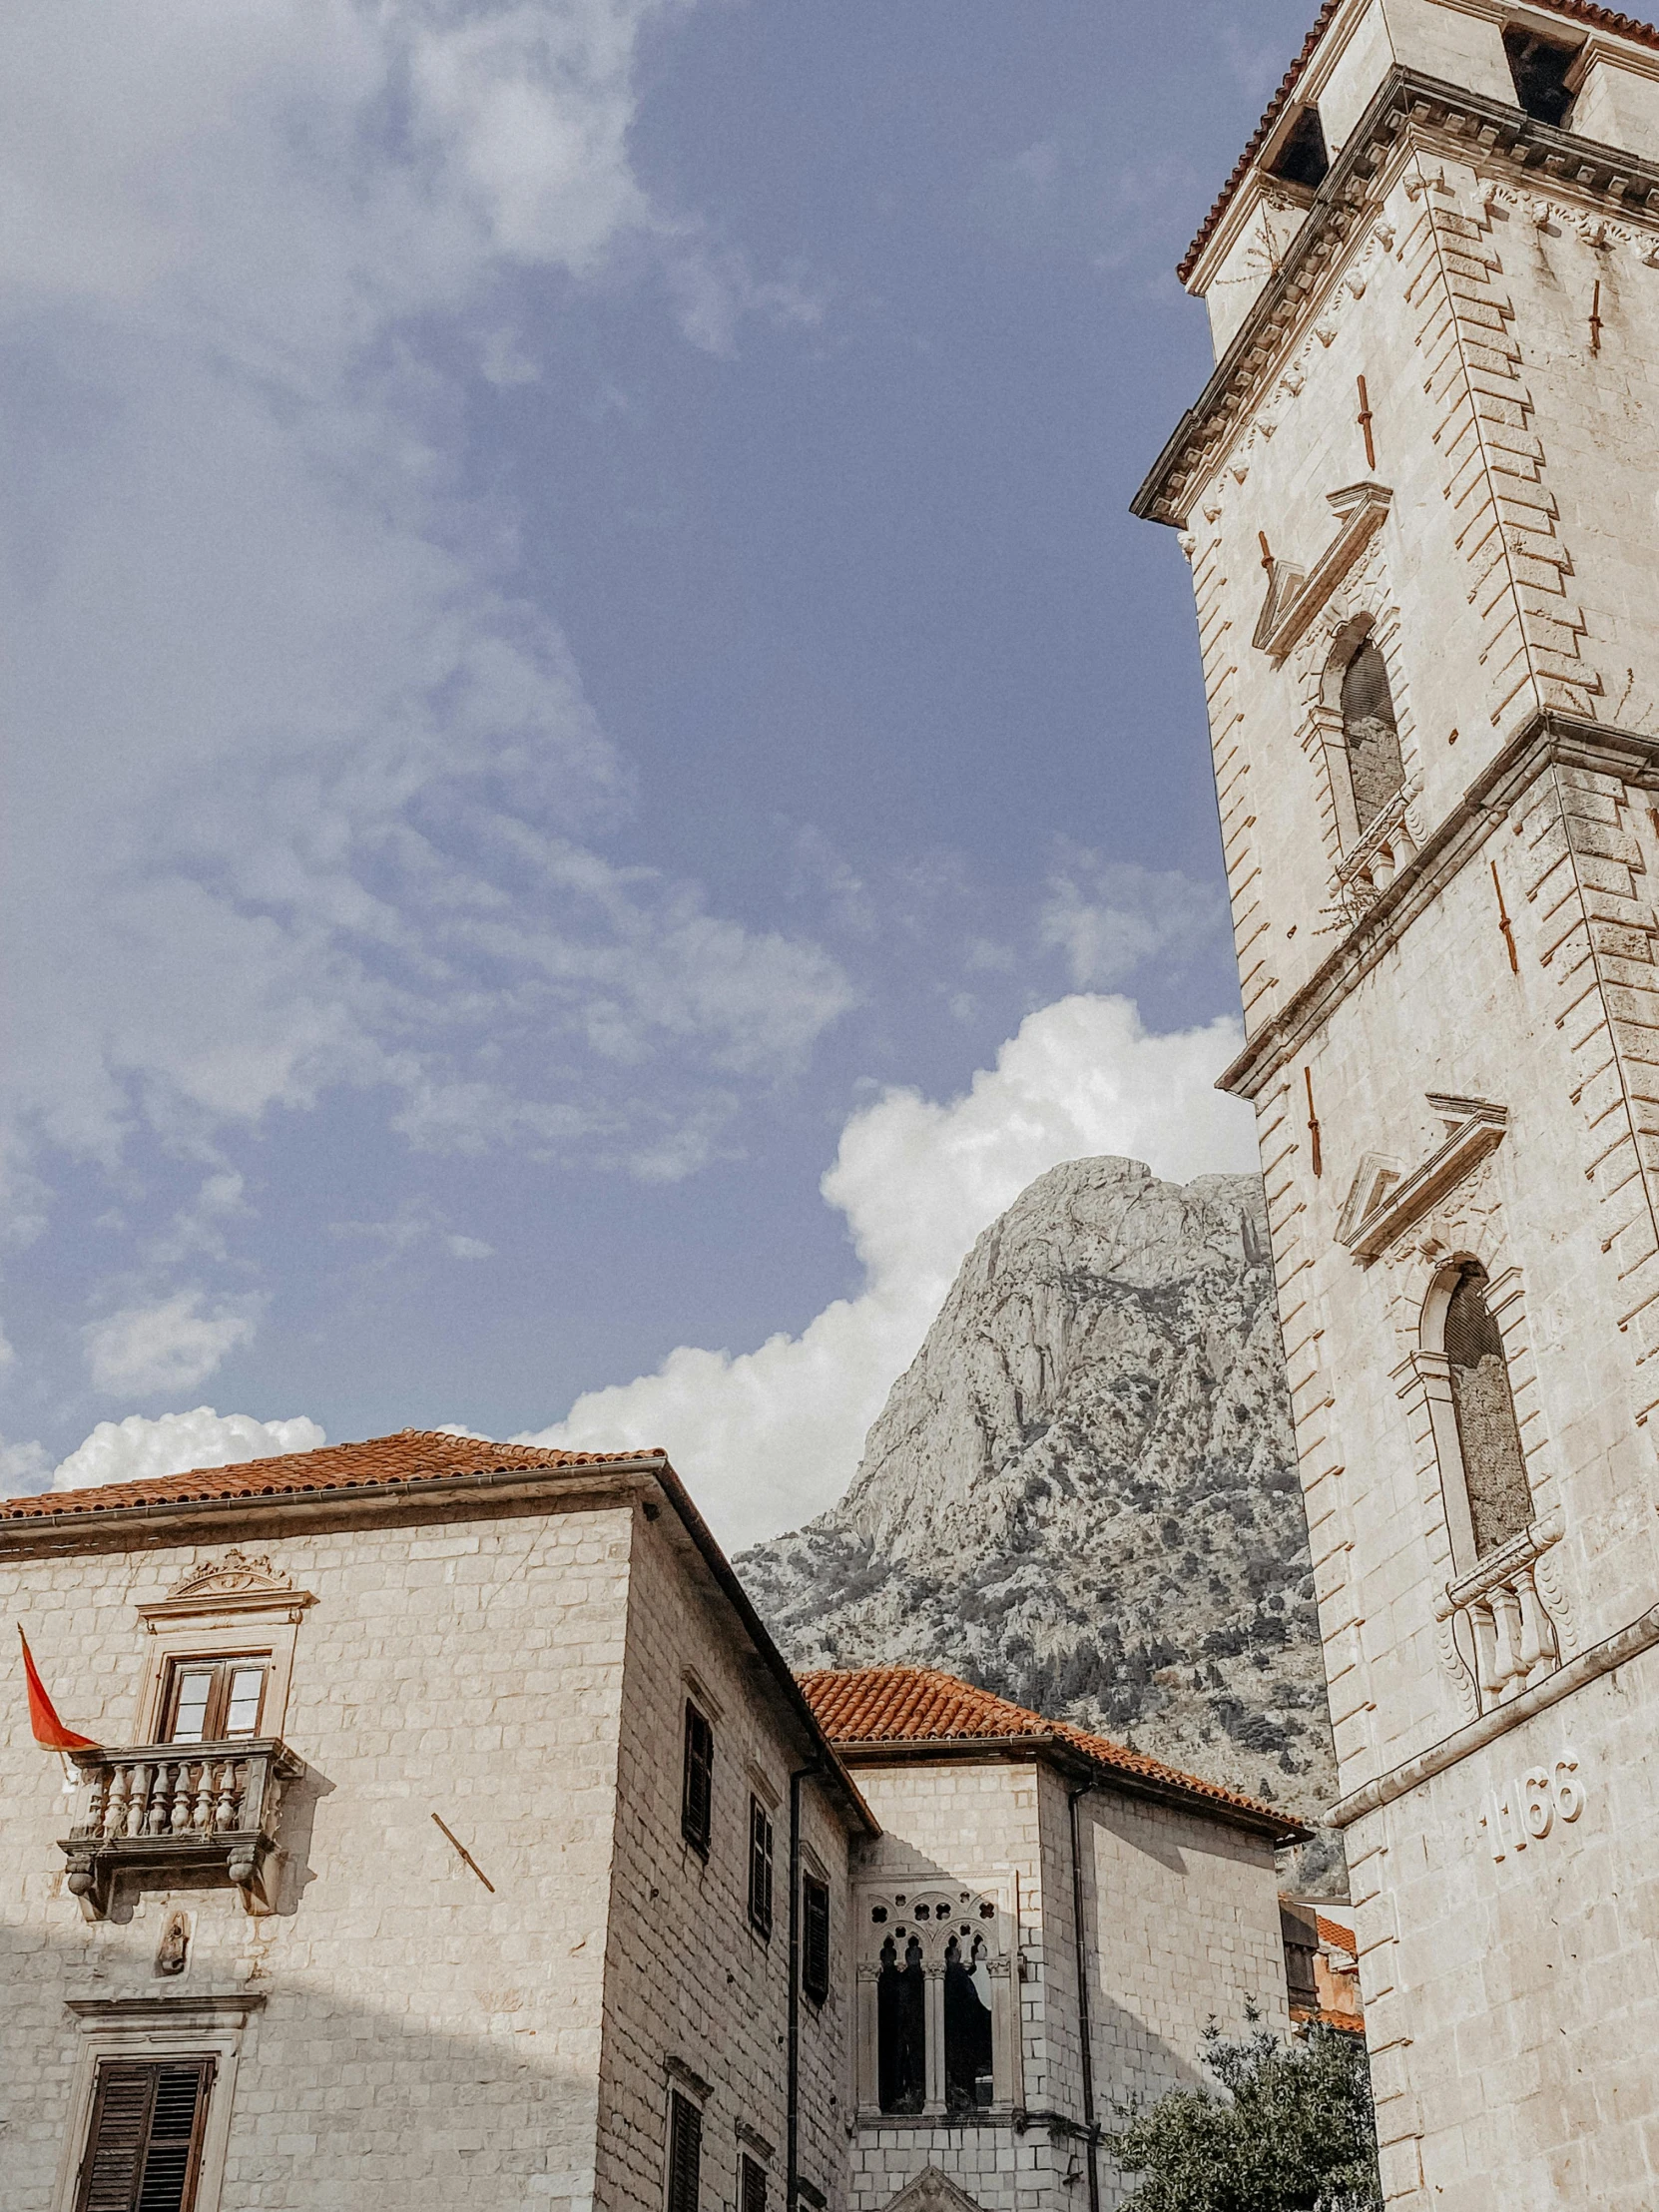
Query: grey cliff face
point(1083, 1494)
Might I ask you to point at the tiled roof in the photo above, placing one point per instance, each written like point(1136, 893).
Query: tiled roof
point(1580, 11)
point(413, 1455)
point(1336, 1934)
point(920, 1705)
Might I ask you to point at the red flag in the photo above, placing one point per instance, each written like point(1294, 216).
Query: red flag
point(43, 1717)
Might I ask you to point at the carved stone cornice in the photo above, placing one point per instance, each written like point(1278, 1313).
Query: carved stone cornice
point(238, 1583)
point(1406, 108)
point(1546, 738)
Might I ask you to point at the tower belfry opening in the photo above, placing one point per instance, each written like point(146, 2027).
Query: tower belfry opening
point(1540, 70)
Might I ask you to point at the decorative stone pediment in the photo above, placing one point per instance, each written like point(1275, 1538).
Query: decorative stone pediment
point(932, 2191)
point(240, 1583)
point(1294, 600)
point(1476, 1129)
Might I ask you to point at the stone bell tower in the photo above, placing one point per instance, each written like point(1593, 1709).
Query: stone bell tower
point(1420, 499)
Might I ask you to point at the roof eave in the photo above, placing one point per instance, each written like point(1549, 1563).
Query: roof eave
point(1070, 1759)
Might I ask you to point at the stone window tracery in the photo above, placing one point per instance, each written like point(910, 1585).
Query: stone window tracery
point(938, 2022)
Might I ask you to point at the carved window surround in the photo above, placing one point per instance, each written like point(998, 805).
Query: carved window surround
point(1293, 602)
point(1478, 1134)
point(220, 1610)
point(934, 1912)
point(150, 2028)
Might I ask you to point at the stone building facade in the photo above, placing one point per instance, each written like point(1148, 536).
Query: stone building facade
point(1420, 497)
point(453, 1831)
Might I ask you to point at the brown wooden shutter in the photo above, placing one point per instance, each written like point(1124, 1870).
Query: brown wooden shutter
point(144, 2146)
point(685, 2153)
point(815, 1947)
point(760, 1867)
point(751, 2194)
point(697, 1795)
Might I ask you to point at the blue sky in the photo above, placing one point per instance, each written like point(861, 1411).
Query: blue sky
point(576, 663)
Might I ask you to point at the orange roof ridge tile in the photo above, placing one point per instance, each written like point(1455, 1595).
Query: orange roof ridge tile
point(411, 1456)
point(924, 1705)
point(1579, 11)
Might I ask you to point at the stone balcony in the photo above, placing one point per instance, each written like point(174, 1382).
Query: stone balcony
point(164, 1810)
point(1514, 1639)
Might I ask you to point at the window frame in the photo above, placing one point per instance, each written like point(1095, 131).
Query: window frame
point(762, 1863)
point(169, 2028)
point(109, 2070)
point(814, 1987)
point(682, 2107)
point(697, 1758)
point(216, 1712)
point(750, 2170)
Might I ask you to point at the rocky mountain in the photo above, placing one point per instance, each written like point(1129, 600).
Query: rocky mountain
point(1082, 1494)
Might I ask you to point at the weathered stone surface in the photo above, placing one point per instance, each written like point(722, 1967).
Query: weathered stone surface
point(1083, 1493)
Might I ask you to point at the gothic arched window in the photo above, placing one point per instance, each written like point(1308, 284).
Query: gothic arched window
point(1374, 765)
point(967, 2027)
point(901, 2028)
point(1489, 1436)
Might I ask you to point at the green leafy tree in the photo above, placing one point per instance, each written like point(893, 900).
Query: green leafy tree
point(1290, 2128)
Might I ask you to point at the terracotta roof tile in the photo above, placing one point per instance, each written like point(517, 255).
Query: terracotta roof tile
point(1580, 11)
point(920, 1705)
point(1336, 1934)
point(413, 1455)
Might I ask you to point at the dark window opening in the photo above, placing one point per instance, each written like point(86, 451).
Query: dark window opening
point(814, 1937)
point(1303, 159)
point(210, 1701)
point(685, 2153)
point(698, 1781)
point(752, 2185)
point(901, 2028)
point(967, 2028)
point(1374, 765)
point(144, 2147)
point(760, 1867)
point(1488, 1437)
point(1540, 67)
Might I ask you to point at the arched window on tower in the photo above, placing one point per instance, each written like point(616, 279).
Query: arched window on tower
point(901, 2028)
point(1489, 1436)
point(1374, 765)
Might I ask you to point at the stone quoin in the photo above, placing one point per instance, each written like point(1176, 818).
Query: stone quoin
point(1420, 497)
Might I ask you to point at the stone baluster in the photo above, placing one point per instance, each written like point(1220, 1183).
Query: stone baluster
point(1485, 1649)
point(201, 1800)
point(1506, 1619)
point(227, 1791)
point(141, 1779)
point(98, 1805)
point(1537, 1644)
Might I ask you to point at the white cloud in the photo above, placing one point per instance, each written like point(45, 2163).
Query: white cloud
point(1110, 917)
point(133, 1449)
point(170, 1346)
point(310, 812)
point(767, 1437)
point(24, 1468)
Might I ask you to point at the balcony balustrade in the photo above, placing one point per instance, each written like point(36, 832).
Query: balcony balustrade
point(1514, 1639)
point(163, 1809)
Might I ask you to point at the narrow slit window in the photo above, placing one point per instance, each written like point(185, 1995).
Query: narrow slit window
point(144, 2143)
point(1303, 159)
point(1489, 1436)
point(698, 1781)
point(211, 1699)
point(1541, 69)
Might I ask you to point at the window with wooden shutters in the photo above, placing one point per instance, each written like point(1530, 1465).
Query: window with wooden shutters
point(143, 2145)
point(814, 1937)
point(685, 2153)
point(760, 1867)
point(697, 1793)
point(752, 2185)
